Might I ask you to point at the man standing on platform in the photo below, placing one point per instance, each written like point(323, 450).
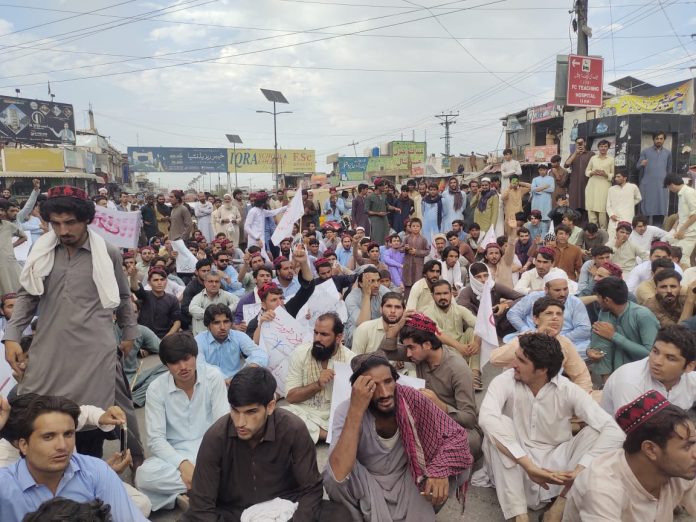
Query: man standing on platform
point(376, 208)
point(654, 163)
point(204, 210)
point(180, 222)
point(577, 162)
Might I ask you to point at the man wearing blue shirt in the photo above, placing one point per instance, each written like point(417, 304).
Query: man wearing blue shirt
point(51, 468)
point(285, 276)
point(229, 277)
point(223, 347)
point(181, 405)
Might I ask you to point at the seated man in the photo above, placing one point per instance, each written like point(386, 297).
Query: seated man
point(363, 301)
point(261, 275)
point(548, 315)
point(576, 323)
point(211, 294)
point(421, 294)
point(668, 369)
point(370, 334)
point(50, 467)
point(625, 252)
point(310, 377)
point(568, 256)
point(181, 405)
point(448, 379)
point(644, 235)
point(643, 271)
point(255, 454)
point(227, 349)
point(533, 280)
point(647, 289)
point(393, 453)
point(650, 476)
point(600, 255)
point(530, 453)
point(625, 331)
point(159, 311)
point(593, 236)
point(668, 302)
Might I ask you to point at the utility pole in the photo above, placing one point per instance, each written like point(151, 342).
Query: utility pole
point(447, 120)
point(354, 149)
point(581, 27)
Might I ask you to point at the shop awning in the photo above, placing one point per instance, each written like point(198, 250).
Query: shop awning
point(66, 175)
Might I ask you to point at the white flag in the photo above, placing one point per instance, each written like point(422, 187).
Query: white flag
point(292, 214)
point(490, 237)
point(551, 229)
point(485, 323)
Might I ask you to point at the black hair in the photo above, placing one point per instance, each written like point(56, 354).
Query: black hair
point(555, 159)
point(507, 151)
point(601, 250)
point(613, 288)
point(362, 186)
point(681, 337)
point(219, 253)
point(39, 405)
point(368, 270)
point(541, 304)
point(543, 351)
point(677, 252)
point(673, 179)
point(659, 428)
point(419, 337)
point(459, 222)
point(203, 262)
point(176, 347)
point(393, 295)
point(264, 268)
point(383, 274)
point(546, 255)
point(639, 219)
point(17, 404)
point(659, 133)
point(662, 262)
point(475, 226)
point(252, 249)
point(252, 385)
point(338, 325)
point(60, 508)
point(667, 273)
point(592, 228)
point(478, 268)
point(313, 241)
point(429, 265)
point(82, 210)
point(563, 228)
point(451, 234)
point(501, 240)
point(373, 362)
point(214, 310)
point(520, 216)
point(603, 142)
point(441, 282)
point(447, 250)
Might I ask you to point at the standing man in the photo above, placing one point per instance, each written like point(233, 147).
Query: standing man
point(542, 188)
point(600, 171)
point(162, 213)
point(204, 210)
point(683, 234)
point(358, 216)
point(577, 162)
point(238, 201)
point(228, 219)
point(77, 280)
point(376, 209)
point(508, 168)
point(622, 199)
point(255, 221)
point(149, 215)
point(453, 202)
point(180, 222)
point(654, 164)
point(470, 206)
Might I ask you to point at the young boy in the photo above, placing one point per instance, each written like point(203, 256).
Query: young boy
point(415, 250)
point(394, 259)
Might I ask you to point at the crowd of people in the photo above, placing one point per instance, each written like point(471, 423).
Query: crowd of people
point(592, 305)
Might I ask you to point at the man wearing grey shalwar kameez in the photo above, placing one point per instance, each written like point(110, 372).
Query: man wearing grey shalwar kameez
point(654, 164)
point(75, 280)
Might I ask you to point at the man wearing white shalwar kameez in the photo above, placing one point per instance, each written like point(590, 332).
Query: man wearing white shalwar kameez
point(228, 219)
point(525, 417)
point(204, 210)
point(622, 199)
point(254, 226)
point(181, 405)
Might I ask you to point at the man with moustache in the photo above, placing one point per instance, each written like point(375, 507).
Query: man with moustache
point(311, 374)
point(369, 335)
point(668, 302)
point(203, 211)
point(421, 292)
point(394, 454)
point(180, 407)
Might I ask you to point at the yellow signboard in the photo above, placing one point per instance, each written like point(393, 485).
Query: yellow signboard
point(678, 100)
point(290, 161)
point(33, 160)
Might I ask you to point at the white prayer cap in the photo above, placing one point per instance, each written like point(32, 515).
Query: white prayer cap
point(554, 275)
point(103, 190)
point(485, 179)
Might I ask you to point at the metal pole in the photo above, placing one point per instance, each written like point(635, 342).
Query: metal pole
point(275, 146)
point(234, 160)
point(581, 11)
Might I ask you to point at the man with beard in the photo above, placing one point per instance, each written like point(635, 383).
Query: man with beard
point(647, 479)
point(668, 302)
point(376, 209)
point(285, 276)
point(453, 202)
point(149, 216)
point(358, 216)
point(531, 455)
point(261, 275)
point(180, 222)
point(487, 205)
point(432, 213)
point(668, 368)
point(421, 292)
point(311, 374)
point(325, 271)
point(162, 215)
point(284, 246)
point(363, 301)
point(405, 205)
point(203, 212)
point(227, 219)
point(457, 322)
point(448, 378)
point(254, 226)
point(370, 334)
point(470, 207)
point(654, 164)
point(394, 455)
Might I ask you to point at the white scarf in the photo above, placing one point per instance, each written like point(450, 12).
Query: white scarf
point(476, 285)
point(40, 263)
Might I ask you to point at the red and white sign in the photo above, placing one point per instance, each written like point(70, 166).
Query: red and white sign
point(585, 81)
point(121, 229)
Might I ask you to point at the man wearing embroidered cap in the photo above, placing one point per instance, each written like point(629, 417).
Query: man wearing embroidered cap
point(650, 476)
point(394, 455)
point(76, 279)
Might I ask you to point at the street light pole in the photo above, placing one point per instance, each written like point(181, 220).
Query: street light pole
point(275, 146)
point(233, 139)
point(275, 97)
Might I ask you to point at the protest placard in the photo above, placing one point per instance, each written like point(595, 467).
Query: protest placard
point(249, 311)
point(325, 298)
point(279, 338)
point(121, 229)
point(185, 261)
point(341, 389)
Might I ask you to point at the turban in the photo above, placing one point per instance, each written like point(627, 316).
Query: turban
point(67, 191)
point(640, 410)
point(423, 323)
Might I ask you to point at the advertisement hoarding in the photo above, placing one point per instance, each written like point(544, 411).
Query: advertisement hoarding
point(36, 121)
point(33, 160)
point(585, 81)
point(177, 159)
point(290, 161)
point(540, 154)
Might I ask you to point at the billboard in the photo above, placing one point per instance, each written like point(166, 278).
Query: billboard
point(36, 121)
point(290, 161)
point(413, 150)
point(177, 159)
point(585, 81)
point(677, 100)
point(543, 112)
point(541, 153)
point(352, 169)
point(33, 160)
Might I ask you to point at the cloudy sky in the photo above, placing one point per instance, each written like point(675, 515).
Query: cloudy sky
point(185, 72)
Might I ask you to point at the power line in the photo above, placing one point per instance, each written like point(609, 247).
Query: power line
point(674, 32)
point(447, 120)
